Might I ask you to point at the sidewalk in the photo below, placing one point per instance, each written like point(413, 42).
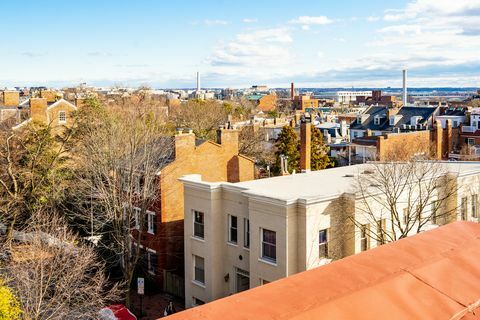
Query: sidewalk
point(154, 305)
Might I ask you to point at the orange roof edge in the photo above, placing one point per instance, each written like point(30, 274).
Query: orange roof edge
point(432, 275)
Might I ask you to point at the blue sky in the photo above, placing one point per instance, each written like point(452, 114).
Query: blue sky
point(240, 43)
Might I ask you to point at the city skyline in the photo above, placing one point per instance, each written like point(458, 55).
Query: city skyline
point(341, 44)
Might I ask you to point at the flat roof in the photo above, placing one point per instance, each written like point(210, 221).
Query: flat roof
point(325, 183)
point(432, 275)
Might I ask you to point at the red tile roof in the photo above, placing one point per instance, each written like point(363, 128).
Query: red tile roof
point(433, 275)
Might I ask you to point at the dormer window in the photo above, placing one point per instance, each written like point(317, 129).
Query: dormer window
point(376, 120)
point(62, 117)
point(392, 121)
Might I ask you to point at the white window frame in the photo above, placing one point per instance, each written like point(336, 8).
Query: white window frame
point(262, 254)
point(376, 120)
point(136, 214)
point(246, 233)
point(194, 212)
point(474, 205)
point(323, 246)
point(364, 237)
point(151, 222)
point(62, 114)
point(150, 269)
point(195, 268)
point(195, 301)
point(464, 209)
point(231, 228)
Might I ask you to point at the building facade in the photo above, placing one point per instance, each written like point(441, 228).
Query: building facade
point(162, 241)
point(242, 235)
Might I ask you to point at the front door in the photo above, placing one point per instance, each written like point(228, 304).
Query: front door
point(242, 280)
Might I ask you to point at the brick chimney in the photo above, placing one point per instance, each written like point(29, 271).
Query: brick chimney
point(11, 98)
point(184, 143)
point(228, 138)
point(393, 111)
point(50, 95)
point(38, 110)
point(305, 146)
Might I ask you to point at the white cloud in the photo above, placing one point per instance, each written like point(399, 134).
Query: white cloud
point(249, 20)
point(257, 53)
point(305, 27)
point(309, 20)
point(215, 22)
point(435, 7)
point(279, 35)
point(373, 19)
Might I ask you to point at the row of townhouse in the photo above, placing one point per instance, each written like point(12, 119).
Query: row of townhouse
point(243, 235)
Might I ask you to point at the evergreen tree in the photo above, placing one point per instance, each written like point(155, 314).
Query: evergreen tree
point(288, 145)
point(319, 151)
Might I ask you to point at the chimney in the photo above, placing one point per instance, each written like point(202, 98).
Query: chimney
point(198, 81)
point(38, 110)
point(80, 102)
point(393, 111)
point(50, 95)
point(11, 98)
point(184, 144)
point(228, 138)
point(404, 96)
point(343, 128)
point(305, 146)
point(292, 91)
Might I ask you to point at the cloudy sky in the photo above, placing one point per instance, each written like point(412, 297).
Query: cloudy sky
point(239, 43)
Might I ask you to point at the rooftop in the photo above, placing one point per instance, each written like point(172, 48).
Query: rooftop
point(432, 275)
point(317, 185)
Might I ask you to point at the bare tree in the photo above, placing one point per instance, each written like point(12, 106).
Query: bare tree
point(202, 116)
point(252, 144)
point(53, 274)
point(397, 199)
point(121, 154)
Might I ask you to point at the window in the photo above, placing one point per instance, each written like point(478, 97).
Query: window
point(474, 205)
point(381, 226)
point(376, 120)
point(151, 261)
point(151, 222)
point(470, 141)
point(198, 224)
point(464, 208)
point(269, 245)
point(392, 121)
point(124, 180)
point(197, 302)
point(232, 229)
point(62, 117)
point(246, 233)
point(364, 238)
point(199, 269)
point(136, 216)
point(433, 212)
point(323, 243)
point(137, 185)
point(406, 216)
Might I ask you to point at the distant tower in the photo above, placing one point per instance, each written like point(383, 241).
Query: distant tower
point(292, 91)
point(198, 81)
point(404, 96)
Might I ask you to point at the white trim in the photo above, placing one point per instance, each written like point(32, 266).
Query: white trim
point(268, 262)
point(22, 124)
point(58, 102)
point(152, 229)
